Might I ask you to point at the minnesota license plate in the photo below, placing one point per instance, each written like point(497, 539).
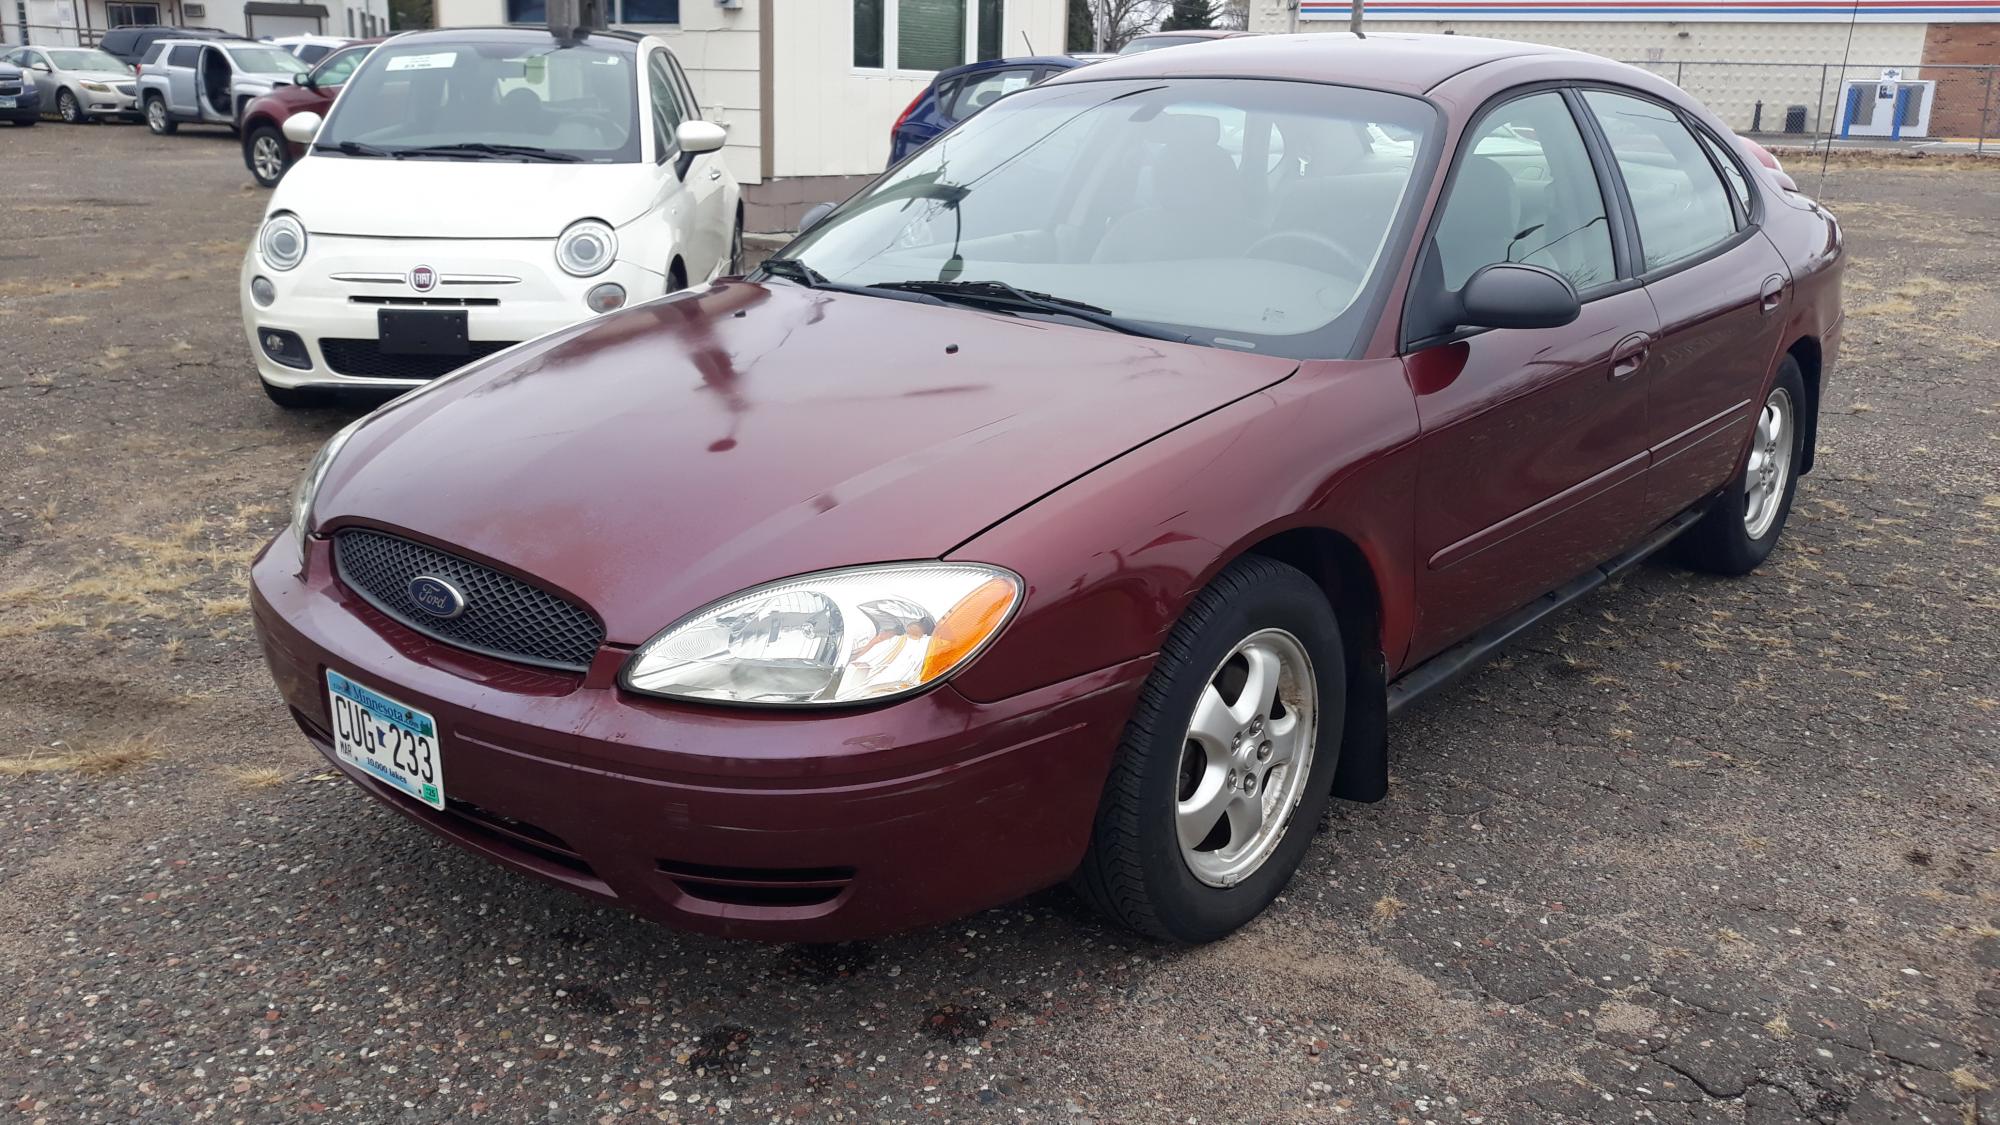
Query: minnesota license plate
point(6, 103)
point(392, 742)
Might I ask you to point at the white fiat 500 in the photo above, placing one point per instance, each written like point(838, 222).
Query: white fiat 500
point(471, 189)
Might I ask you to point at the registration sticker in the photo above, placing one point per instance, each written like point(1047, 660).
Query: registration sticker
point(392, 742)
point(441, 60)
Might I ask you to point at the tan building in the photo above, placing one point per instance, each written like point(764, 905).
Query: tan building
point(808, 88)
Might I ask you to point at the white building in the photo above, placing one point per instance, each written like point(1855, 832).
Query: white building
point(809, 88)
point(82, 22)
point(1735, 54)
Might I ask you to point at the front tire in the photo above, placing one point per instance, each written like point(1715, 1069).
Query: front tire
point(157, 119)
point(1227, 761)
point(68, 109)
point(1740, 529)
point(266, 155)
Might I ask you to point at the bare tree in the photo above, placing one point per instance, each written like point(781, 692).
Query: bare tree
point(1115, 22)
point(1233, 15)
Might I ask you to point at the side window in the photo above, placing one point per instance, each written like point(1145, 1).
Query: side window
point(334, 71)
point(184, 55)
point(690, 108)
point(1525, 191)
point(152, 55)
point(1680, 204)
point(1731, 171)
point(981, 90)
point(667, 115)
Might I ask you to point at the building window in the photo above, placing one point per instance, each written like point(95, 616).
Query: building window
point(618, 11)
point(925, 35)
point(131, 15)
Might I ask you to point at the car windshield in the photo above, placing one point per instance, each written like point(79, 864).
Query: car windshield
point(1242, 214)
point(266, 60)
point(524, 100)
point(87, 60)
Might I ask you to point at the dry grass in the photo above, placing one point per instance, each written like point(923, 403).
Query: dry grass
point(94, 761)
point(256, 777)
point(1388, 907)
point(42, 623)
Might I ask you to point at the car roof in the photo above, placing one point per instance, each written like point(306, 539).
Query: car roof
point(1195, 33)
point(1396, 61)
point(504, 35)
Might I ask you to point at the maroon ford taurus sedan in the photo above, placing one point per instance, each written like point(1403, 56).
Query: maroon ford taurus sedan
point(1075, 502)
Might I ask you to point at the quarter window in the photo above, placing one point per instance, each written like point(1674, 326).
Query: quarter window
point(925, 35)
point(1731, 171)
point(184, 56)
point(1525, 192)
point(1681, 205)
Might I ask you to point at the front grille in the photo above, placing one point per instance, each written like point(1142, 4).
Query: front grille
point(428, 302)
point(365, 359)
point(6, 90)
point(503, 617)
point(127, 89)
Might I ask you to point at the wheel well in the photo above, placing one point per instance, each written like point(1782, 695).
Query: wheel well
point(1335, 563)
point(677, 275)
point(1805, 351)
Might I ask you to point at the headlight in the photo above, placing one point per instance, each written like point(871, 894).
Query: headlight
point(308, 486)
point(840, 636)
point(282, 242)
point(97, 86)
point(586, 248)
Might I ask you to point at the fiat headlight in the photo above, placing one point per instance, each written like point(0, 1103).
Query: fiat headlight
point(586, 248)
point(282, 242)
point(308, 486)
point(840, 636)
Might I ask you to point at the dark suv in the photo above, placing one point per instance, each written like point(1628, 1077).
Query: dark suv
point(129, 43)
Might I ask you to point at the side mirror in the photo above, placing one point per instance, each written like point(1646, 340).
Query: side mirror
point(1511, 295)
point(813, 215)
point(301, 128)
point(41, 66)
point(697, 137)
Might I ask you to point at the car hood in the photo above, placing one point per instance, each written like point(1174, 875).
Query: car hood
point(657, 459)
point(108, 77)
point(458, 198)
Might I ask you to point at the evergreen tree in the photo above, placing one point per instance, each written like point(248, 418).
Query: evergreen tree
point(1190, 15)
point(1080, 37)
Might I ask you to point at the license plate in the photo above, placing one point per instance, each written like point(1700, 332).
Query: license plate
point(6, 103)
point(392, 742)
point(421, 332)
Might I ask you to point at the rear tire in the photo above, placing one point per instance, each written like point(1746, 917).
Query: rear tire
point(296, 398)
point(158, 120)
point(1143, 869)
point(1740, 529)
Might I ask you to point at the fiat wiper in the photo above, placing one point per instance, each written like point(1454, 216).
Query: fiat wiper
point(791, 269)
point(1001, 296)
point(356, 148)
point(482, 148)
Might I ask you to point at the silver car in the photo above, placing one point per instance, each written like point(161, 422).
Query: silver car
point(209, 81)
point(79, 83)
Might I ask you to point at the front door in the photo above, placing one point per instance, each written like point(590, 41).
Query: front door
point(1533, 457)
point(1717, 284)
point(706, 183)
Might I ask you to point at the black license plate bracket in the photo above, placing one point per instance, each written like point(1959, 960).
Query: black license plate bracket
point(422, 332)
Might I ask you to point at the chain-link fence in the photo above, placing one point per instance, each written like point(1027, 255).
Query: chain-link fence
point(1949, 106)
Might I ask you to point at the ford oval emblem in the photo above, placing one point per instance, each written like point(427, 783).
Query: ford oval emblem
point(436, 597)
point(423, 279)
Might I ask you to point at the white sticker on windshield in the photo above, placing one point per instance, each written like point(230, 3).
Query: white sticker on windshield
point(439, 61)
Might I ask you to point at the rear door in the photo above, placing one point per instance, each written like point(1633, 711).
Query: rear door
point(1532, 460)
point(1716, 283)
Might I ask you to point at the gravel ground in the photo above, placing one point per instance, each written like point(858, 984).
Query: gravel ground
point(1697, 851)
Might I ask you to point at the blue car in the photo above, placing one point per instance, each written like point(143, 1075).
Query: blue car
point(962, 91)
point(20, 101)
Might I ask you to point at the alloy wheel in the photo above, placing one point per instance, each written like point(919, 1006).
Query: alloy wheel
point(1770, 467)
point(267, 158)
point(67, 108)
point(1247, 755)
point(156, 115)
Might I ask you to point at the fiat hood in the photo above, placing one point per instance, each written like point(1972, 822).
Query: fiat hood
point(659, 458)
point(458, 198)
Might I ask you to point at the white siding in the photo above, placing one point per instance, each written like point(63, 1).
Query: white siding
point(832, 119)
point(718, 48)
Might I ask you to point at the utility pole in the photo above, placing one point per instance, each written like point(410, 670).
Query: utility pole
point(1354, 20)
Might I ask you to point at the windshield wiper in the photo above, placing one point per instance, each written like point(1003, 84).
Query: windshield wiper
point(356, 148)
point(481, 148)
point(791, 269)
point(1002, 296)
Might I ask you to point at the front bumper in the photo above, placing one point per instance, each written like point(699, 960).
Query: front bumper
point(764, 824)
point(98, 104)
point(510, 291)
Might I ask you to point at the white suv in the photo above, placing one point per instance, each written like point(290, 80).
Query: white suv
point(470, 189)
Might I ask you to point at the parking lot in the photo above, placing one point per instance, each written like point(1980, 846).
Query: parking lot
point(1700, 851)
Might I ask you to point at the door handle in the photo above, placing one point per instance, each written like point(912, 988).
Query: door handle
point(715, 173)
point(1772, 294)
point(1630, 355)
